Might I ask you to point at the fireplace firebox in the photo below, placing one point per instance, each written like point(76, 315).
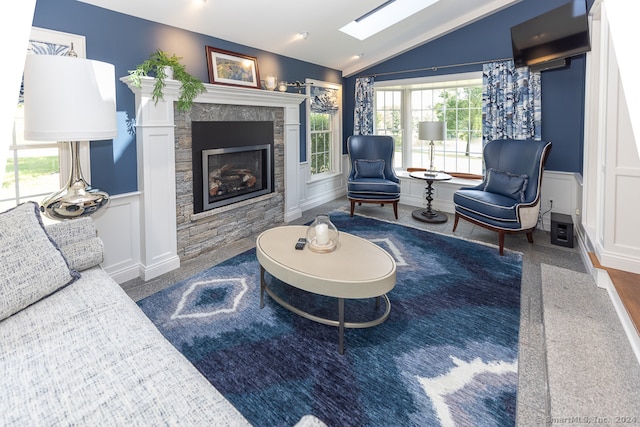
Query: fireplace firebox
point(232, 161)
point(234, 174)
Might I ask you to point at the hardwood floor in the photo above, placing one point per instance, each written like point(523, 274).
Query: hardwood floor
point(628, 287)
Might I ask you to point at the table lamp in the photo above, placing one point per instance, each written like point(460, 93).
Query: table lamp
point(431, 131)
point(70, 99)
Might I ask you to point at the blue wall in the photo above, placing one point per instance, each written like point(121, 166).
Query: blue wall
point(490, 39)
point(126, 41)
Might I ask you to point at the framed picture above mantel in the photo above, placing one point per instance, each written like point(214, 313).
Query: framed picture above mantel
point(231, 68)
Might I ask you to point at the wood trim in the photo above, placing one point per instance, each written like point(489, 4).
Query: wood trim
point(465, 175)
point(453, 174)
point(628, 288)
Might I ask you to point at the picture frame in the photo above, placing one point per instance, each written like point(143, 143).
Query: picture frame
point(232, 69)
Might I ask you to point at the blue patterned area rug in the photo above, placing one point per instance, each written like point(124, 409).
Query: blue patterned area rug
point(447, 354)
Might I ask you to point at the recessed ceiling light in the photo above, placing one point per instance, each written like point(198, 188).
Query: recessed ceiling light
point(303, 36)
point(382, 17)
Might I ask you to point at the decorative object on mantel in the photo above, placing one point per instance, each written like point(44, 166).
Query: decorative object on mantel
point(163, 67)
point(299, 85)
point(282, 86)
point(233, 69)
point(70, 99)
point(322, 235)
point(270, 82)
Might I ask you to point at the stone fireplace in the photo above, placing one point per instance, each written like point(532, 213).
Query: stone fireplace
point(171, 229)
point(233, 138)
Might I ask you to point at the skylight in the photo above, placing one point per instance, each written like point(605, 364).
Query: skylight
point(382, 17)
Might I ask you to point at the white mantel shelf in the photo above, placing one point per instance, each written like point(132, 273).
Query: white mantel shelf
point(155, 148)
point(222, 94)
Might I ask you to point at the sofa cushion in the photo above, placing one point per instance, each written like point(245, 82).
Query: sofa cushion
point(78, 242)
point(31, 265)
point(369, 168)
point(507, 184)
point(84, 254)
point(88, 356)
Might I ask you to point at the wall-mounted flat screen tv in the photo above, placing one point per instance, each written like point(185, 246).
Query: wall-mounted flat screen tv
point(555, 35)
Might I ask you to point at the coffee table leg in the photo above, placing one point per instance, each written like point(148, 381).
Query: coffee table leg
point(262, 285)
point(341, 325)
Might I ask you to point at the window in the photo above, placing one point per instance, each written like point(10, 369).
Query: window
point(31, 169)
point(455, 99)
point(389, 119)
point(321, 138)
point(324, 119)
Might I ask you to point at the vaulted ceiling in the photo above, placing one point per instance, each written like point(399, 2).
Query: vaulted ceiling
point(275, 26)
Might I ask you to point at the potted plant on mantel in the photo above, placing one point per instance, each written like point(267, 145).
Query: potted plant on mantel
point(162, 66)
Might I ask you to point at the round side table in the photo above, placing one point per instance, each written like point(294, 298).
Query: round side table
point(428, 214)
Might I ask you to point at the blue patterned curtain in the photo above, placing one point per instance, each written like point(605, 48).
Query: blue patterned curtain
point(510, 102)
point(363, 112)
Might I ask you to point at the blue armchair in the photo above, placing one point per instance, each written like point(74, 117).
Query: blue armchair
point(508, 200)
point(372, 178)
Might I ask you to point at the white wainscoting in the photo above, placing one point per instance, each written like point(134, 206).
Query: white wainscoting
point(119, 228)
point(316, 192)
point(564, 188)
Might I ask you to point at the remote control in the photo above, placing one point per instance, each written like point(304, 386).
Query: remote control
point(300, 244)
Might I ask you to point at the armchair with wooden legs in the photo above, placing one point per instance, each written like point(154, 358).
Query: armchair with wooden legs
point(372, 178)
point(508, 199)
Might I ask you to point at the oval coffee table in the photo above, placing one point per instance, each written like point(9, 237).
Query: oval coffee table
point(357, 269)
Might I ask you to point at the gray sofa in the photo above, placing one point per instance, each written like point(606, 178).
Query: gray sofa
point(75, 349)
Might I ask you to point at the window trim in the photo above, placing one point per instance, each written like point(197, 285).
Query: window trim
point(336, 156)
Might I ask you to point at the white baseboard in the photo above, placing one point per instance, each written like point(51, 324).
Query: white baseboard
point(124, 274)
point(159, 268)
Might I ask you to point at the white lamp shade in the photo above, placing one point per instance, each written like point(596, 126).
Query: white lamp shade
point(431, 131)
point(68, 99)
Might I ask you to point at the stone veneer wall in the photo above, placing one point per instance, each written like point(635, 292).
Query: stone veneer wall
point(199, 233)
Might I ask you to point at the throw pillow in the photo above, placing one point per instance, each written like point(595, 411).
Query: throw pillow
point(506, 183)
point(369, 168)
point(31, 266)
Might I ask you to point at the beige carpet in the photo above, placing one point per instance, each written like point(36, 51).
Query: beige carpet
point(594, 377)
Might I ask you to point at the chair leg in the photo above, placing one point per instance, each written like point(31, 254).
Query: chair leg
point(455, 223)
point(501, 241)
point(395, 209)
point(353, 206)
point(530, 236)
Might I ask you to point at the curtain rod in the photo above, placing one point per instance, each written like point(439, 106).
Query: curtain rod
point(434, 68)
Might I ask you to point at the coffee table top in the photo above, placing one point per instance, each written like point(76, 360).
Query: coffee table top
point(356, 269)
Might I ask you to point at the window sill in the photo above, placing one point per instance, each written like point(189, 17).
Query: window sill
point(323, 177)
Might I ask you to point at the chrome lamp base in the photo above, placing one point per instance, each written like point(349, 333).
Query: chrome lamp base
point(77, 199)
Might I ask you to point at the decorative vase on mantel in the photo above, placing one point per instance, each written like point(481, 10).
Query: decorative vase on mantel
point(322, 235)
